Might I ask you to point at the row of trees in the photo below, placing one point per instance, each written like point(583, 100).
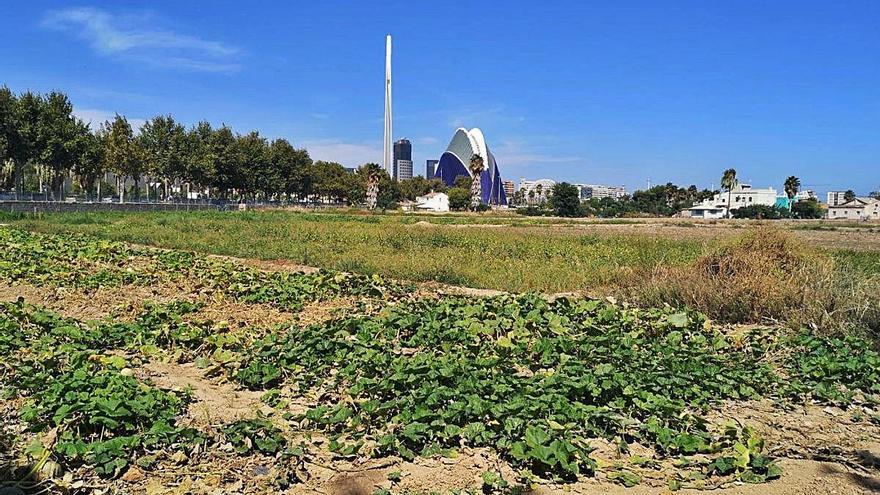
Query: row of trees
point(668, 199)
point(661, 200)
point(43, 144)
point(805, 209)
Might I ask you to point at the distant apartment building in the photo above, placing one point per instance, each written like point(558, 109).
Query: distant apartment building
point(741, 195)
point(590, 191)
point(509, 188)
point(536, 191)
point(836, 198)
point(402, 165)
point(805, 195)
point(431, 168)
point(857, 209)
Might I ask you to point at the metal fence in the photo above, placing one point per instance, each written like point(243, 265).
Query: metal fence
point(39, 205)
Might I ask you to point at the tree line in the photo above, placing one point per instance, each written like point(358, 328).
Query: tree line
point(669, 199)
point(662, 200)
point(43, 144)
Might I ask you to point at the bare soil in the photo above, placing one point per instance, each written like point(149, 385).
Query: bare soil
point(822, 450)
point(125, 304)
point(214, 401)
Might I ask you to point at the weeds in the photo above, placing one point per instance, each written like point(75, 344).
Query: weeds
point(767, 275)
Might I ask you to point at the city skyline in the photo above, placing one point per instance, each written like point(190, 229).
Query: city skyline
point(609, 95)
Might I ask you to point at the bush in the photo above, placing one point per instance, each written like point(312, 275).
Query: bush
point(806, 209)
point(767, 275)
point(459, 198)
point(534, 211)
point(761, 212)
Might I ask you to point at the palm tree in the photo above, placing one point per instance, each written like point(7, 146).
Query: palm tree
point(791, 186)
point(849, 195)
point(728, 182)
point(539, 192)
point(477, 167)
point(372, 172)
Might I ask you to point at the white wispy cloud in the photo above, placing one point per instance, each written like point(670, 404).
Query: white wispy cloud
point(473, 117)
point(346, 153)
point(95, 117)
point(125, 37)
point(515, 154)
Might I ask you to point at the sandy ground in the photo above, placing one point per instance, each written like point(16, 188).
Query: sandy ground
point(823, 450)
point(110, 302)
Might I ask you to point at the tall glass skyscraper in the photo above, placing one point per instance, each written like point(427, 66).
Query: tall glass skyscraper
point(403, 165)
point(431, 168)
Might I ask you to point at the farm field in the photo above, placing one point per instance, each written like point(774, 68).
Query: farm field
point(126, 368)
point(534, 254)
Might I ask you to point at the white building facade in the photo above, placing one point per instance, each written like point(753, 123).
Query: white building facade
point(741, 195)
point(536, 191)
point(836, 198)
point(435, 201)
point(858, 209)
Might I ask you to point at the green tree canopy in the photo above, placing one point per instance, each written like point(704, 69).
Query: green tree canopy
point(459, 198)
point(808, 208)
point(164, 143)
point(792, 186)
point(122, 154)
point(565, 200)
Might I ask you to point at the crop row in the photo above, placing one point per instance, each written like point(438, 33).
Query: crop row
point(88, 401)
point(536, 380)
point(533, 379)
point(86, 262)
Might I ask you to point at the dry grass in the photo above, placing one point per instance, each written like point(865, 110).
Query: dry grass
point(766, 275)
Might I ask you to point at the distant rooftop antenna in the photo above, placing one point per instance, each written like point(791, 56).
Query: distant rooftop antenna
point(387, 147)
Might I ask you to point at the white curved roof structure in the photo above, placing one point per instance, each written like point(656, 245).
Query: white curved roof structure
point(455, 161)
point(467, 143)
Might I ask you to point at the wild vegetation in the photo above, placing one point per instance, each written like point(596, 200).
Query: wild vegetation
point(769, 275)
point(395, 246)
point(764, 275)
point(539, 382)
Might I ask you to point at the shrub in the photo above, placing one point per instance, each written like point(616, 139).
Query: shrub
point(534, 211)
point(459, 198)
point(766, 275)
point(761, 212)
point(808, 208)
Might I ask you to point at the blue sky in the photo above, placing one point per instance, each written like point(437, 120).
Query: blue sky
point(598, 92)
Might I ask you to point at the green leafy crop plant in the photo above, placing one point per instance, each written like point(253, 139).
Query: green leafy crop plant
point(86, 262)
point(100, 414)
point(531, 378)
point(536, 380)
